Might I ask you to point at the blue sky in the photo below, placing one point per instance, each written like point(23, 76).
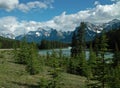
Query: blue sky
point(19, 15)
point(58, 6)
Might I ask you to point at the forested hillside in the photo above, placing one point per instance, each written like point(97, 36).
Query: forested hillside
point(113, 38)
point(8, 43)
point(47, 44)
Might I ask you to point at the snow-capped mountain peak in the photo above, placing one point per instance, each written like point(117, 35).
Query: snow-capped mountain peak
point(38, 34)
point(66, 36)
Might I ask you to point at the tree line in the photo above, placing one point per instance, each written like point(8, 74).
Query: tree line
point(46, 44)
point(6, 43)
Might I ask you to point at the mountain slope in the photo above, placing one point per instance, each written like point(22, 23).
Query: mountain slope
point(64, 36)
point(52, 34)
point(92, 29)
point(114, 24)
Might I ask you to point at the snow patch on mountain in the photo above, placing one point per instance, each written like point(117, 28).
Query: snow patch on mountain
point(66, 36)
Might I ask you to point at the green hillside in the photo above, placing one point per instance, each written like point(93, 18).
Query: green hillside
point(13, 75)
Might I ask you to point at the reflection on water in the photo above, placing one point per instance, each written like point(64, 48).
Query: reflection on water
point(66, 52)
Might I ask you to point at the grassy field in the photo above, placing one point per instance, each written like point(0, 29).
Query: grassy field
point(13, 75)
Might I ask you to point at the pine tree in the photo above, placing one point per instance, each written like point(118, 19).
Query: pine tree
point(114, 73)
point(113, 79)
point(22, 54)
point(96, 44)
point(15, 50)
point(103, 49)
point(60, 53)
point(43, 83)
point(0, 44)
point(71, 67)
point(78, 40)
point(27, 54)
point(81, 38)
point(78, 51)
point(62, 60)
point(116, 59)
point(101, 66)
point(33, 64)
point(73, 45)
point(55, 81)
point(82, 67)
point(56, 78)
point(91, 62)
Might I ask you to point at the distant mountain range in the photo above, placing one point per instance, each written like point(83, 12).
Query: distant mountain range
point(50, 34)
point(64, 36)
point(7, 34)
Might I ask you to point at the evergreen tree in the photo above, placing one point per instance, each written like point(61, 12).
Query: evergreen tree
point(116, 59)
point(73, 65)
point(62, 60)
point(78, 40)
point(73, 45)
point(55, 81)
point(43, 83)
point(22, 54)
point(27, 54)
point(78, 51)
point(81, 38)
point(82, 67)
point(103, 49)
point(96, 44)
point(114, 73)
point(15, 50)
point(43, 44)
point(80, 46)
point(101, 66)
point(33, 64)
point(56, 78)
point(114, 77)
point(60, 53)
point(0, 44)
point(91, 62)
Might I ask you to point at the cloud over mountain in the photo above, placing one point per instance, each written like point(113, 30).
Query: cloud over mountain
point(98, 14)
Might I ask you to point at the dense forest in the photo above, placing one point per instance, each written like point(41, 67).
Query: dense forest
point(104, 72)
point(46, 44)
point(6, 43)
point(113, 38)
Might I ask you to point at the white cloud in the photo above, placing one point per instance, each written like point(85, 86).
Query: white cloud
point(99, 14)
point(8, 24)
point(66, 22)
point(14, 4)
point(32, 5)
point(96, 3)
point(8, 4)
